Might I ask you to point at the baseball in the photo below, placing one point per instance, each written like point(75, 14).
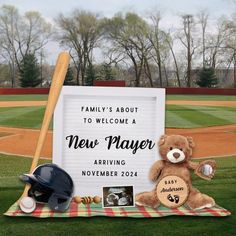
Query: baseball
point(27, 204)
point(207, 169)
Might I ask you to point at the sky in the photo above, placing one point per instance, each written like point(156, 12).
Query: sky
point(170, 9)
point(51, 8)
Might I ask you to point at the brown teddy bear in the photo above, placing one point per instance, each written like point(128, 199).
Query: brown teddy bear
point(176, 151)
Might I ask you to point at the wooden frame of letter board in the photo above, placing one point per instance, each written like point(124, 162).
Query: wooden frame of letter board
point(101, 92)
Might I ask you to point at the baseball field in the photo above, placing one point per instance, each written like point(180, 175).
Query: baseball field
point(210, 120)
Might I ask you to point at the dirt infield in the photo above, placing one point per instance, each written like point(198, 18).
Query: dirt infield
point(210, 142)
point(174, 102)
point(23, 103)
point(23, 142)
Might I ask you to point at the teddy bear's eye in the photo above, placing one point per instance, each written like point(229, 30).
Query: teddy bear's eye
point(181, 149)
point(171, 148)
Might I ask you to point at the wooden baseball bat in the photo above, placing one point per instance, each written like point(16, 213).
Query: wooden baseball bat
point(57, 82)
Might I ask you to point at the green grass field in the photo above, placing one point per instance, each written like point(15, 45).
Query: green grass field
point(184, 116)
point(21, 117)
point(202, 97)
point(36, 97)
point(176, 116)
point(199, 116)
point(28, 97)
point(222, 188)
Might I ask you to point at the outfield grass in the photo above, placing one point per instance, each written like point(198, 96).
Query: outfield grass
point(22, 117)
point(28, 97)
point(184, 116)
point(42, 97)
point(202, 97)
point(199, 116)
point(222, 188)
point(176, 116)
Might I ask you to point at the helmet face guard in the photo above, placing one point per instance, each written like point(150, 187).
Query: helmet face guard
point(42, 194)
point(39, 192)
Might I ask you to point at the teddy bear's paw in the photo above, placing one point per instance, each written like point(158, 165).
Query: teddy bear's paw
point(201, 201)
point(209, 205)
point(206, 169)
point(139, 203)
point(147, 199)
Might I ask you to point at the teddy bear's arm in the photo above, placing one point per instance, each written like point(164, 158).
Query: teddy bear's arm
point(193, 165)
point(198, 168)
point(155, 170)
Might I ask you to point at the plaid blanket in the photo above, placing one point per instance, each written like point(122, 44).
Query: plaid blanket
point(89, 210)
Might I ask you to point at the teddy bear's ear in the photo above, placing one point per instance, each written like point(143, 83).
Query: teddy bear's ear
point(162, 139)
point(190, 142)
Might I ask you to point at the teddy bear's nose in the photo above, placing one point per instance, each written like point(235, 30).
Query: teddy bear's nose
point(176, 155)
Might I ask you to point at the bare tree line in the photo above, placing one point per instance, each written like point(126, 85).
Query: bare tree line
point(20, 35)
point(151, 55)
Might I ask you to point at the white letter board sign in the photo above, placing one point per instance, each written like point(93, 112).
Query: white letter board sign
point(106, 137)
